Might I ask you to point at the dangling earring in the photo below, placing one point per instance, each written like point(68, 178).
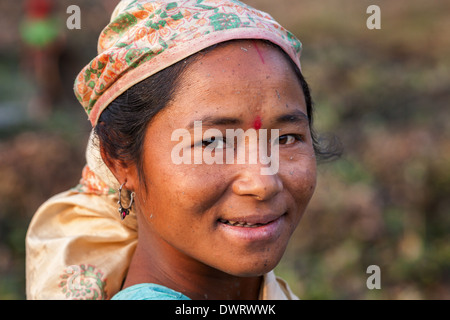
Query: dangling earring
point(124, 211)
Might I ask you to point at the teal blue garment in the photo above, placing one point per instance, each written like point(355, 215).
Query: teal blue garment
point(149, 291)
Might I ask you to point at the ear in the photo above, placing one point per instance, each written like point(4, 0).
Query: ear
point(123, 171)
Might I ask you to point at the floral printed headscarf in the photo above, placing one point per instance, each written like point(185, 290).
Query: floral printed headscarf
point(146, 36)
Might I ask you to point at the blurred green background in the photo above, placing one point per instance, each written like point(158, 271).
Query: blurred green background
point(385, 93)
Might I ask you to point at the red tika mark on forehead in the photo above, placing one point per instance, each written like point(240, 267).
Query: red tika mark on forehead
point(257, 123)
point(259, 52)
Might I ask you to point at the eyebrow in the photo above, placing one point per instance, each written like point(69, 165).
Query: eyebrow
point(210, 121)
point(295, 117)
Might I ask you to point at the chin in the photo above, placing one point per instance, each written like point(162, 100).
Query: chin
point(252, 267)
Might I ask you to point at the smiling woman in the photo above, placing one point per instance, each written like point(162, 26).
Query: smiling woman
point(226, 221)
point(204, 230)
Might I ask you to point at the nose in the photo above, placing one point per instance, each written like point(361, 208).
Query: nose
point(251, 182)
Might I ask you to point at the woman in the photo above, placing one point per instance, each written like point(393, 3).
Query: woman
point(206, 230)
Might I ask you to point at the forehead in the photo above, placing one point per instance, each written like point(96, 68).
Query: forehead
point(237, 78)
point(250, 60)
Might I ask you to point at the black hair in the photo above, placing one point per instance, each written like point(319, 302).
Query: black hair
point(122, 125)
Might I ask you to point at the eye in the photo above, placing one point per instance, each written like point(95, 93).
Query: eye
point(289, 139)
point(214, 143)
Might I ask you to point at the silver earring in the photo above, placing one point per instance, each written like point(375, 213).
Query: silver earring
point(124, 211)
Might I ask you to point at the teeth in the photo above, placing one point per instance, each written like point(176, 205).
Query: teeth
point(240, 223)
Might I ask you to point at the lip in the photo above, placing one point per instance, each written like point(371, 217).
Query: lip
point(255, 219)
point(270, 228)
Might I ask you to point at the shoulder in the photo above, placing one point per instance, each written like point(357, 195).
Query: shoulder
point(149, 291)
point(275, 288)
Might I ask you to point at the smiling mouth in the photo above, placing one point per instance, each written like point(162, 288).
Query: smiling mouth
point(242, 223)
point(248, 224)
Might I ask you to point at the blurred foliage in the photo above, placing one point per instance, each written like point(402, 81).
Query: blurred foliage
point(384, 93)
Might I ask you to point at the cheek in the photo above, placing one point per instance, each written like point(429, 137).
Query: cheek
point(300, 179)
point(192, 189)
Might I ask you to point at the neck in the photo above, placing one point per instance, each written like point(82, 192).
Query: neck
point(156, 262)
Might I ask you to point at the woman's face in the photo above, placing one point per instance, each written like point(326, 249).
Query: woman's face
point(229, 216)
